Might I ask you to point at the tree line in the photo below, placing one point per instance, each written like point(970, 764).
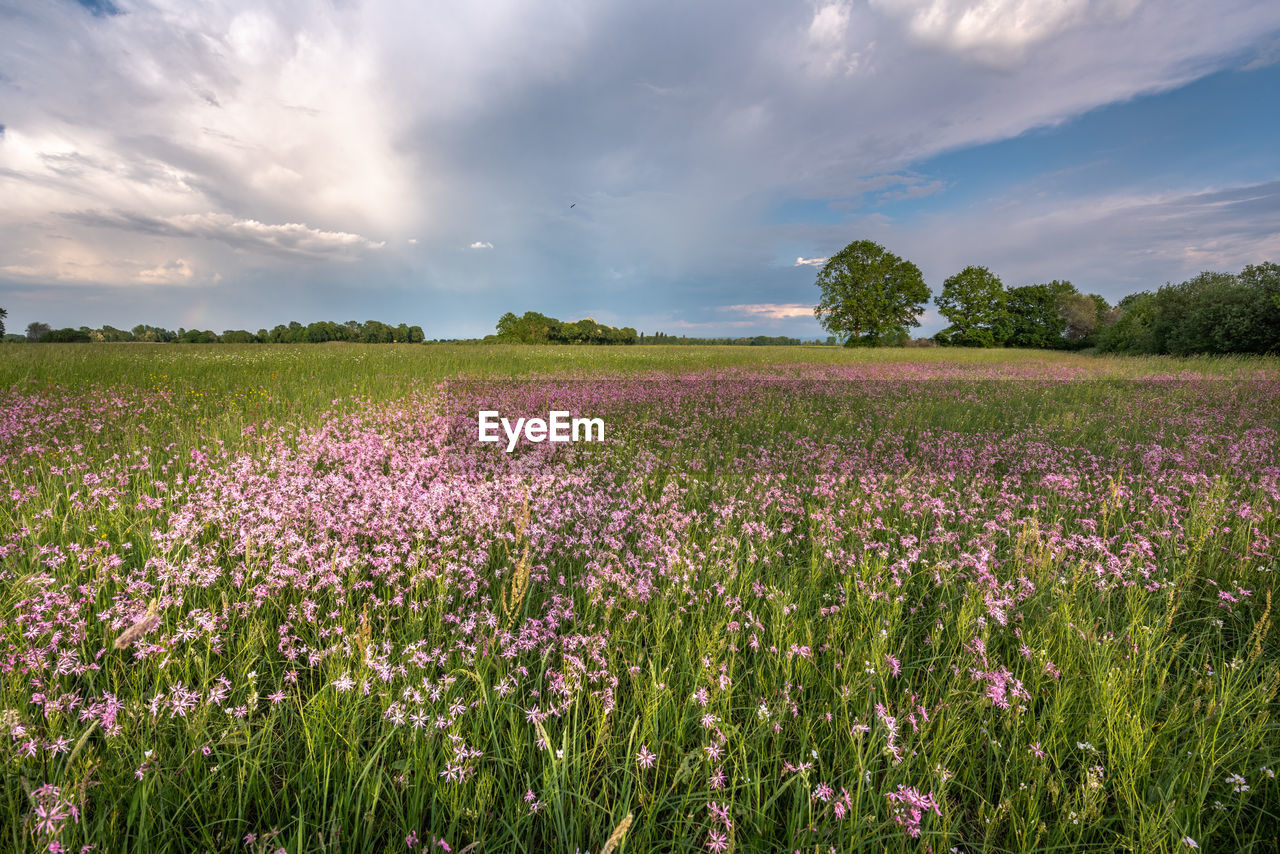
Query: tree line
point(535, 328)
point(745, 341)
point(870, 297)
point(369, 332)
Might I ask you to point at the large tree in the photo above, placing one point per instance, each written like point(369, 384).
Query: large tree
point(530, 328)
point(1035, 316)
point(869, 295)
point(1083, 314)
point(1221, 313)
point(973, 300)
point(1131, 328)
point(3, 315)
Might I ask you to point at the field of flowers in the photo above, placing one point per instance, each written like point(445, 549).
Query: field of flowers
point(261, 599)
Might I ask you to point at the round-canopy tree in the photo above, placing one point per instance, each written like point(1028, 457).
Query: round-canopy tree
point(974, 301)
point(869, 295)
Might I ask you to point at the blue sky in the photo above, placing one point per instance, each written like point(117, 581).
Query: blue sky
point(1218, 128)
point(223, 166)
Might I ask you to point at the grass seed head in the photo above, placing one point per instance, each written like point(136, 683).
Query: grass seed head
point(615, 838)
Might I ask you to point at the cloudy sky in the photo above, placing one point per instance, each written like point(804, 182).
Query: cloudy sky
point(218, 165)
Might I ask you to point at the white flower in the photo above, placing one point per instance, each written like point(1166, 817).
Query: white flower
point(1189, 842)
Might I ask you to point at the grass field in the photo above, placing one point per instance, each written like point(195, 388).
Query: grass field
point(801, 599)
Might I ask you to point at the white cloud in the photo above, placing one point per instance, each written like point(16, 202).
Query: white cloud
point(775, 311)
point(291, 237)
point(173, 272)
point(247, 234)
point(829, 24)
point(1000, 30)
point(80, 265)
point(1268, 54)
point(482, 244)
point(810, 262)
point(828, 50)
point(916, 190)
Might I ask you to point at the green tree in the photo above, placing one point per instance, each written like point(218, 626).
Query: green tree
point(1034, 319)
point(1220, 313)
point(65, 336)
point(142, 332)
point(1130, 328)
point(377, 332)
point(110, 333)
point(1175, 305)
point(507, 326)
point(3, 315)
point(1209, 313)
point(530, 328)
point(1262, 281)
point(869, 294)
point(37, 330)
point(1082, 313)
point(974, 301)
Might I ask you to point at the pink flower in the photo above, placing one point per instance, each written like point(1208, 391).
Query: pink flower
point(645, 758)
point(910, 807)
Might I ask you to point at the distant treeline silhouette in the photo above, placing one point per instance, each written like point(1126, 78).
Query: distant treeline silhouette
point(534, 328)
point(369, 332)
point(751, 341)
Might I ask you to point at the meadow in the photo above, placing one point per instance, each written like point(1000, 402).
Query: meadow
point(263, 598)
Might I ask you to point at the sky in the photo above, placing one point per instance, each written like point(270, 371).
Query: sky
point(224, 165)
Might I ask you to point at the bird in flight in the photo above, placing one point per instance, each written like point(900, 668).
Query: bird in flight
point(573, 204)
